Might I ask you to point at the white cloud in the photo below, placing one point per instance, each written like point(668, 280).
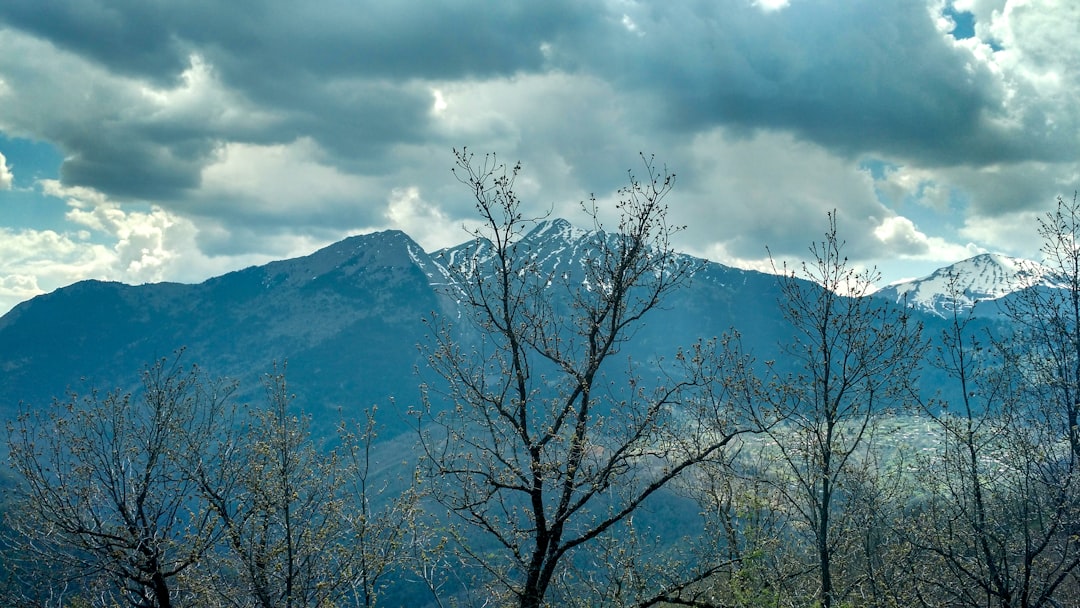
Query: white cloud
point(106, 241)
point(6, 177)
point(630, 26)
point(15, 288)
point(144, 246)
point(1036, 46)
point(574, 133)
point(200, 98)
point(425, 222)
point(438, 103)
point(771, 190)
point(902, 238)
point(38, 261)
point(899, 234)
point(774, 190)
point(771, 5)
point(278, 181)
point(1013, 233)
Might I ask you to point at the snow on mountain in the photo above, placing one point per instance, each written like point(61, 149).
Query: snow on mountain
point(556, 249)
point(988, 276)
point(549, 244)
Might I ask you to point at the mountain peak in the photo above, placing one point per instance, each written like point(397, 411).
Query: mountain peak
point(555, 229)
point(386, 249)
point(987, 276)
point(1015, 273)
point(391, 247)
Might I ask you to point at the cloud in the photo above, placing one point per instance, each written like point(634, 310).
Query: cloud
point(119, 135)
point(342, 73)
point(773, 190)
point(37, 261)
point(354, 78)
point(903, 185)
point(425, 222)
point(853, 76)
point(409, 38)
point(271, 184)
point(573, 132)
point(771, 5)
point(15, 288)
point(106, 241)
point(225, 133)
point(899, 234)
point(137, 246)
point(902, 238)
point(1014, 233)
point(6, 177)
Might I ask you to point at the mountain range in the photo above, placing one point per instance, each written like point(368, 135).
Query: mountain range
point(347, 320)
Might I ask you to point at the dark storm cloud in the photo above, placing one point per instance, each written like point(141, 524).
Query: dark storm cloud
point(129, 37)
point(109, 136)
point(131, 167)
point(404, 39)
point(855, 76)
point(863, 76)
point(255, 39)
point(342, 73)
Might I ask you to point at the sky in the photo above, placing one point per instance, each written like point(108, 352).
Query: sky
point(175, 140)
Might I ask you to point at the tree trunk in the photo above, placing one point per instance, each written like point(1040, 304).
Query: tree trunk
point(161, 591)
point(824, 557)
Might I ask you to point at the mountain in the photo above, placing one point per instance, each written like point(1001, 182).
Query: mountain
point(985, 277)
point(346, 320)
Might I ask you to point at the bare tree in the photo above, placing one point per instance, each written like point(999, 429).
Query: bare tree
point(1000, 514)
point(744, 548)
point(171, 497)
point(381, 513)
point(854, 356)
point(102, 486)
point(303, 526)
point(548, 443)
point(281, 513)
point(1049, 322)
